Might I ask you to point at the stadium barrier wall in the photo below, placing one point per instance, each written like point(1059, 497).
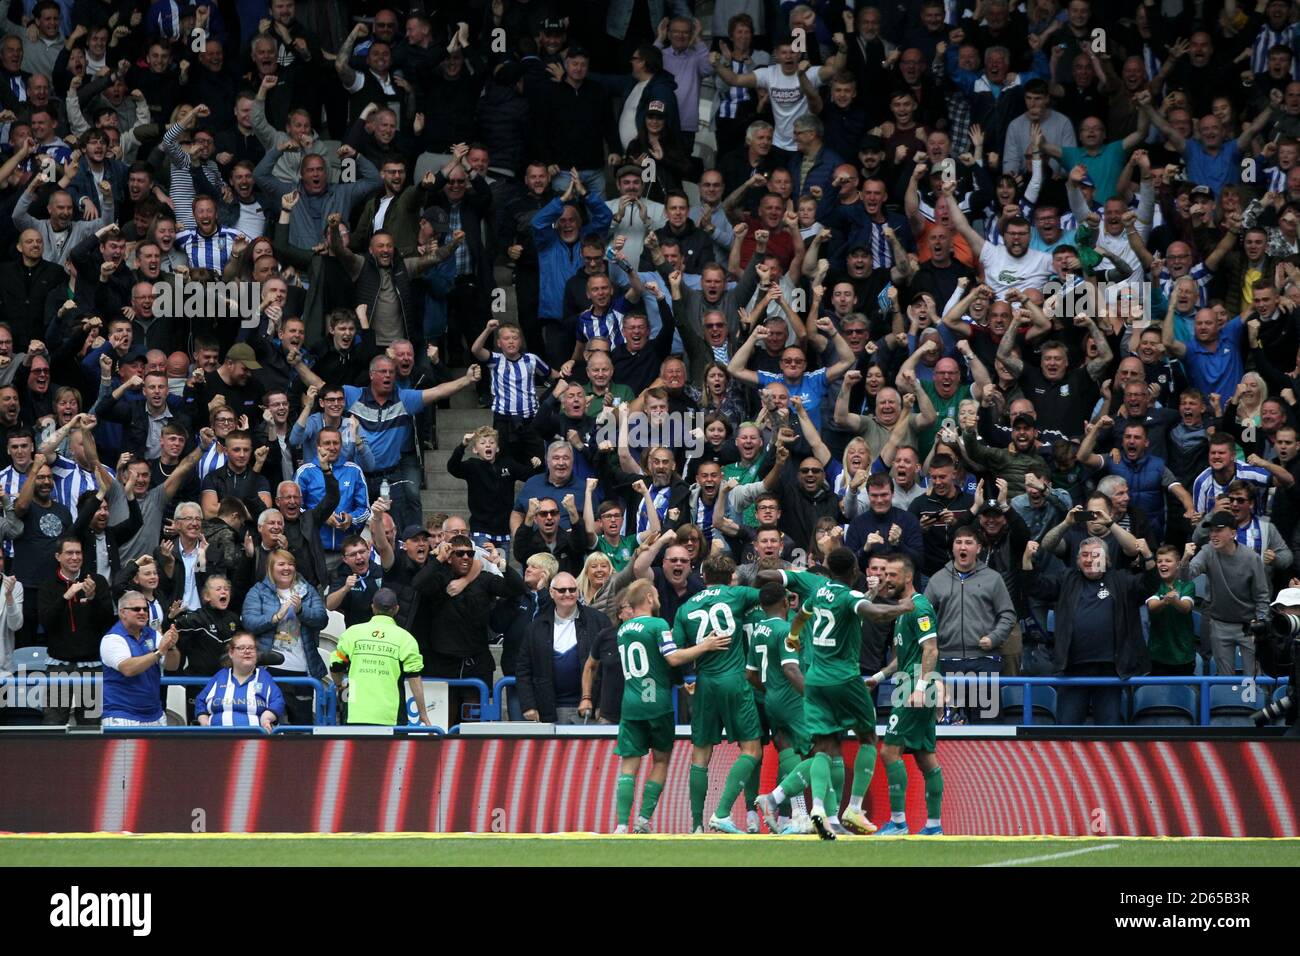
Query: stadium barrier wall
point(328, 784)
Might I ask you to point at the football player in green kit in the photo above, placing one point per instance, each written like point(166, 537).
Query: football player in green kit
point(723, 696)
point(778, 670)
point(835, 698)
point(911, 727)
point(647, 652)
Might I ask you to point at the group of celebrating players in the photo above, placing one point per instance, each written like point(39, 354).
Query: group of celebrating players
point(760, 672)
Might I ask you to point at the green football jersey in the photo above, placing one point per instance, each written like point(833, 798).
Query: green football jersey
point(648, 680)
point(769, 654)
point(752, 618)
point(834, 632)
point(619, 554)
point(718, 609)
point(910, 630)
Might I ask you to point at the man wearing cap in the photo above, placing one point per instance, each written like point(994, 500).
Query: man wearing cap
point(232, 383)
point(377, 655)
point(1256, 532)
point(633, 215)
point(1238, 592)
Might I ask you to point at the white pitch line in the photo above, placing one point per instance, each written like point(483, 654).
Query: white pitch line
point(1052, 856)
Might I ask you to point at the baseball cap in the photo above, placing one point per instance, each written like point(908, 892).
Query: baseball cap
point(871, 143)
point(1087, 181)
point(1221, 519)
point(385, 599)
point(992, 506)
point(576, 50)
point(436, 217)
point(138, 353)
point(554, 25)
point(1024, 419)
point(628, 169)
point(243, 353)
point(1202, 191)
point(858, 246)
point(413, 531)
point(1287, 596)
point(656, 106)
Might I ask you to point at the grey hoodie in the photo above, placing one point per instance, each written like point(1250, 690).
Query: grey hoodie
point(970, 609)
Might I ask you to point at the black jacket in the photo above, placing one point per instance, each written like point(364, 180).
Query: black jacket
point(115, 535)
point(23, 293)
point(534, 669)
point(475, 212)
point(570, 547)
point(133, 413)
point(458, 626)
point(205, 637)
point(1129, 589)
point(73, 628)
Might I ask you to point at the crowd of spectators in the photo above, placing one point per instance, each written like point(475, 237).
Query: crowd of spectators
point(1008, 288)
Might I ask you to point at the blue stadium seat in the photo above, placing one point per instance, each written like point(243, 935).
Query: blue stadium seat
point(1164, 705)
point(1013, 704)
point(29, 659)
point(1229, 708)
point(884, 698)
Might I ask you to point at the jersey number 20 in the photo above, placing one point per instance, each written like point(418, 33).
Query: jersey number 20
point(717, 618)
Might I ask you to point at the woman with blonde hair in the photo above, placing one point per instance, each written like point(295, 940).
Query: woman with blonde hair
point(850, 482)
point(286, 614)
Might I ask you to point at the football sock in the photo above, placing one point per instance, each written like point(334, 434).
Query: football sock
point(751, 783)
point(699, 790)
point(934, 794)
point(897, 774)
point(736, 778)
point(786, 761)
point(864, 767)
point(796, 781)
point(650, 798)
point(837, 784)
point(626, 788)
point(821, 781)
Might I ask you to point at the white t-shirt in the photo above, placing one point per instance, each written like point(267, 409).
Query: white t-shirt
point(788, 101)
point(288, 638)
point(114, 651)
point(1003, 271)
point(627, 118)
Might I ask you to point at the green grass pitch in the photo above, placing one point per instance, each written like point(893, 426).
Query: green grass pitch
point(590, 850)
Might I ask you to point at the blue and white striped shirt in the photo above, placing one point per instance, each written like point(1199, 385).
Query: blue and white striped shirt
point(212, 459)
point(208, 252)
point(660, 497)
point(1205, 489)
point(607, 326)
point(732, 98)
point(1264, 41)
point(514, 391)
point(1200, 273)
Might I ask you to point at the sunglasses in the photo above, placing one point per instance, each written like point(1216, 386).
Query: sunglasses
point(136, 610)
point(564, 590)
point(810, 471)
point(462, 554)
point(548, 514)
